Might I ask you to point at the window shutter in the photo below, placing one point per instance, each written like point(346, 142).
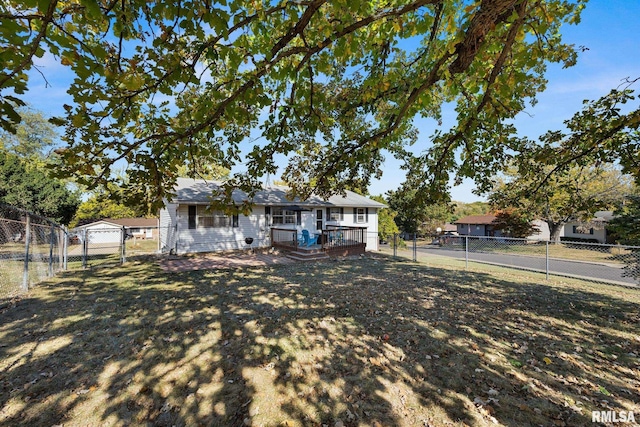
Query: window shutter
point(235, 221)
point(355, 215)
point(192, 217)
point(366, 215)
point(267, 214)
point(328, 214)
point(298, 218)
point(341, 214)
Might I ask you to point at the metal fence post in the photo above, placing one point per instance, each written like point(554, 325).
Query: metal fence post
point(27, 240)
point(415, 248)
point(466, 251)
point(546, 257)
point(395, 245)
point(123, 243)
point(65, 248)
point(51, 239)
point(85, 247)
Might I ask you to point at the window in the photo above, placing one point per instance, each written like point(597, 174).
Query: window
point(336, 214)
point(579, 229)
point(212, 219)
point(279, 215)
point(192, 217)
point(200, 217)
point(361, 215)
point(319, 219)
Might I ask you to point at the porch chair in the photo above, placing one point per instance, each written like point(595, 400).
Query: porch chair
point(306, 236)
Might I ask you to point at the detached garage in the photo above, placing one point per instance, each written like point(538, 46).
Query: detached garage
point(110, 230)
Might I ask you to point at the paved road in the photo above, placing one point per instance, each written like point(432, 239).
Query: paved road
point(582, 269)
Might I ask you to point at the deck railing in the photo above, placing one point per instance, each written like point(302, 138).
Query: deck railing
point(340, 239)
point(284, 238)
point(333, 240)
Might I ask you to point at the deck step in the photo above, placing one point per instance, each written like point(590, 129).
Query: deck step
point(307, 256)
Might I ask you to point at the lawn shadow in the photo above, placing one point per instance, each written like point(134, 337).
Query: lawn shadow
point(368, 341)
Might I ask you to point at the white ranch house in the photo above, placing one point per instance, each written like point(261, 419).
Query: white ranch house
point(186, 225)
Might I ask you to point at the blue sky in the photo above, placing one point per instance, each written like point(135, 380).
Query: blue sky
point(609, 29)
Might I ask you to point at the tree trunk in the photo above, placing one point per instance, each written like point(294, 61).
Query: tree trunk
point(555, 229)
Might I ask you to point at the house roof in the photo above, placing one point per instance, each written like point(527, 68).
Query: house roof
point(199, 191)
point(126, 222)
point(476, 219)
point(450, 227)
point(604, 216)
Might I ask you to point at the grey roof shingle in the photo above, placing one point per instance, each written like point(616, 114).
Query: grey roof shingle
point(476, 219)
point(197, 191)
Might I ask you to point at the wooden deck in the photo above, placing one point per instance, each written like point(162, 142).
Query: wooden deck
point(342, 241)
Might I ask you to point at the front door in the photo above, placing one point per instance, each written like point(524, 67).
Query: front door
point(319, 219)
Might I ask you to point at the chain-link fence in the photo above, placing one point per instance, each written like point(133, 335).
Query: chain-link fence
point(31, 248)
point(102, 245)
point(598, 262)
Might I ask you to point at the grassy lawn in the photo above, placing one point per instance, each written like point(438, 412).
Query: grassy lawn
point(363, 342)
point(11, 275)
point(141, 246)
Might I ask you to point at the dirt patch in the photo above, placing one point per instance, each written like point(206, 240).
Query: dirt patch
point(212, 261)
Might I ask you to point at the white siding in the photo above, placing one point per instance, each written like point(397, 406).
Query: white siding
point(544, 231)
point(221, 239)
point(371, 224)
point(599, 234)
point(168, 216)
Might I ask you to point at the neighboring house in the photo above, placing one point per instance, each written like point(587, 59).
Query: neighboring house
point(596, 229)
point(187, 225)
point(483, 225)
point(477, 225)
point(109, 230)
point(450, 228)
